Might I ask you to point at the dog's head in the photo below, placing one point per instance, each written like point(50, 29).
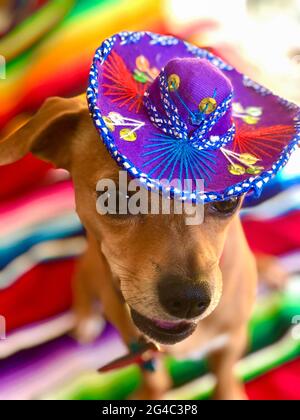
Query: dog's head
point(167, 271)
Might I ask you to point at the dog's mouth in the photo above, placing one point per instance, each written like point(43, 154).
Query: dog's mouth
point(164, 332)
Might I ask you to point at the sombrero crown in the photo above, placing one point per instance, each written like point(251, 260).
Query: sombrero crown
point(167, 110)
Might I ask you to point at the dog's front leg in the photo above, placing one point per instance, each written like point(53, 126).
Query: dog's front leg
point(154, 384)
point(222, 364)
point(93, 280)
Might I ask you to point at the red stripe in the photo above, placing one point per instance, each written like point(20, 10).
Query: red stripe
point(42, 292)
point(276, 236)
point(21, 176)
point(282, 383)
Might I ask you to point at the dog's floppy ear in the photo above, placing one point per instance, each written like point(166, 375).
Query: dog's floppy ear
point(48, 134)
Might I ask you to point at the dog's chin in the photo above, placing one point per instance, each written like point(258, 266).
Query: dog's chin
point(163, 332)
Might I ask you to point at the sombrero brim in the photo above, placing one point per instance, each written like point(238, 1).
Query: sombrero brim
point(268, 126)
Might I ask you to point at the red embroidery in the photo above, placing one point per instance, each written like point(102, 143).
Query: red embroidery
point(262, 141)
point(123, 87)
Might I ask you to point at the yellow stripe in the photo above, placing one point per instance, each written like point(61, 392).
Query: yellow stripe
point(79, 39)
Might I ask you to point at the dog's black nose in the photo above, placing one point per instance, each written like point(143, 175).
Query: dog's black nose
point(183, 298)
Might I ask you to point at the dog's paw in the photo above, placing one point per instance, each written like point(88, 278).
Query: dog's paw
point(88, 329)
point(233, 392)
point(154, 384)
point(147, 394)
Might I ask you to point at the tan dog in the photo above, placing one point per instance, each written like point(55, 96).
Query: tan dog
point(169, 274)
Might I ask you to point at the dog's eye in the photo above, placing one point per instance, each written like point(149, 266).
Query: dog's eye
point(226, 207)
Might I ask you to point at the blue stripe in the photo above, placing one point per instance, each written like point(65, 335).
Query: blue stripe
point(19, 243)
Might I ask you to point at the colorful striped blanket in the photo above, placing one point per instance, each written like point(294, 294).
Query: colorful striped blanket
point(41, 236)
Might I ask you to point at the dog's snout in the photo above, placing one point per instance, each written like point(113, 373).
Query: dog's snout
point(183, 298)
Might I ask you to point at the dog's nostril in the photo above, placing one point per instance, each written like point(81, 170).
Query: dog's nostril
point(183, 298)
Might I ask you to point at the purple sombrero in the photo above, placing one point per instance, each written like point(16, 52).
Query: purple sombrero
point(168, 110)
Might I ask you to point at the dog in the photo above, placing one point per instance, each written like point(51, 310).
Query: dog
point(133, 262)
